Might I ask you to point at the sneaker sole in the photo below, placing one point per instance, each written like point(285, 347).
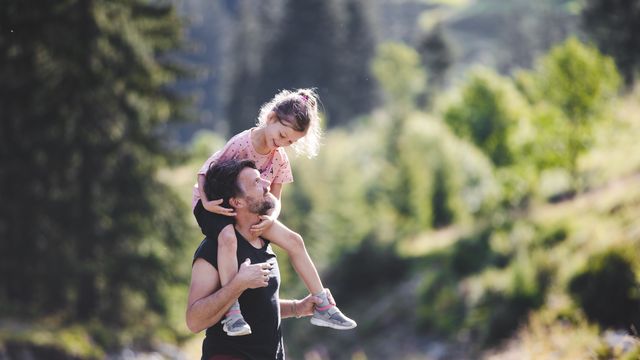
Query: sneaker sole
point(320, 322)
point(239, 333)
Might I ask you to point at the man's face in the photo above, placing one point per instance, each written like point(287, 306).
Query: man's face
point(256, 191)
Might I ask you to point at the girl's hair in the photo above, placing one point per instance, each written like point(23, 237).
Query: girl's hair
point(298, 110)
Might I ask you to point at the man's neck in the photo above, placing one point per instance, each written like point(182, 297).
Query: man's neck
point(244, 222)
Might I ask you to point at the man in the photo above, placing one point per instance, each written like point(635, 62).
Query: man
point(255, 285)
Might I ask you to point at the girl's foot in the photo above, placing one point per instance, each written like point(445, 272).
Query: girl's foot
point(331, 316)
point(234, 324)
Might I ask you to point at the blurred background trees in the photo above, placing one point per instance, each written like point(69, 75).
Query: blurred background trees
point(614, 26)
point(88, 232)
point(476, 187)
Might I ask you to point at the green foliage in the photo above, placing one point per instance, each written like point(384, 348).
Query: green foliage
point(487, 282)
point(398, 70)
point(471, 254)
point(608, 290)
point(503, 306)
point(488, 113)
point(436, 53)
point(370, 260)
point(87, 230)
point(614, 26)
point(433, 180)
point(44, 342)
point(578, 79)
point(574, 83)
point(205, 143)
point(551, 127)
point(552, 235)
point(442, 308)
point(427, 177)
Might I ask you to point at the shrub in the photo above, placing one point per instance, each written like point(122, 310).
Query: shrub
point(607, 290)
point(442, 308)
point(500, 311)
point(370, 260)
point(553, 235)
point(471, 254)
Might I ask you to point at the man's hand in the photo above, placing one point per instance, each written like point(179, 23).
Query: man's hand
point(305, 306)
point(254, 275)
point(215, 207)
point(265, 222)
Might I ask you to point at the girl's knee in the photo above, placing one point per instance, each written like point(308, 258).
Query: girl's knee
point(227, 237)
point(296, 242)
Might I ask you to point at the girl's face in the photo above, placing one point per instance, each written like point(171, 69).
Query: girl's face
point(278, 134)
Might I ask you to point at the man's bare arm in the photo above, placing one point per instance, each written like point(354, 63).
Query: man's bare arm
point(208, 302)
point(304, 307)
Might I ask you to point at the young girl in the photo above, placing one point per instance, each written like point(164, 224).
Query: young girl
point(290, 118)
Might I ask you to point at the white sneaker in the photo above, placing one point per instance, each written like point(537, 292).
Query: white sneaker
point(234, 325)
point(332, 317)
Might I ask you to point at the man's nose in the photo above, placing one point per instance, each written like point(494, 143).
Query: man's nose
point(265, 184)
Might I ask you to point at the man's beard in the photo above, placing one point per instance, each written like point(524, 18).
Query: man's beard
point(261, 207)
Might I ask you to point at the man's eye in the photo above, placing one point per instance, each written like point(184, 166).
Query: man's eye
point(283, 135)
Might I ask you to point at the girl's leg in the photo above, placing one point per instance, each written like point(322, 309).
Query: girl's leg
point(234, 323)
point(227, 260)
point(293, 244)
point(325, 314)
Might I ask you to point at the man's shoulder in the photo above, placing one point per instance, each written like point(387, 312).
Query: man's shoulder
point(207, 250)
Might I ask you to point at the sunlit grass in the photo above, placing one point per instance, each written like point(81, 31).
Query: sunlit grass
point(616, 149)
point(546, 338)
point(428, 242)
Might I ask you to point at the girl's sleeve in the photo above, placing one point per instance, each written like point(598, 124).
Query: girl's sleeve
point(283, 175)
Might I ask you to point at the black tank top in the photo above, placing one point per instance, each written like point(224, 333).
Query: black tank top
point(260, 308)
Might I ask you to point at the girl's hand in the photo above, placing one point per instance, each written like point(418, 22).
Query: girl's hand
point(265, 222)
point(214, 207)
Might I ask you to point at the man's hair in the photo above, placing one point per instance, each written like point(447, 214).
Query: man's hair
point(221, 180)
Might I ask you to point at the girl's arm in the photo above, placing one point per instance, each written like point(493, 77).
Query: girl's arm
point(268, 220)
point(212, 205)
point(276, 190)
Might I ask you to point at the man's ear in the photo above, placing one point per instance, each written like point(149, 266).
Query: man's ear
point(236, 202)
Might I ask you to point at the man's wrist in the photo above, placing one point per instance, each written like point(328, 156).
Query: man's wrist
point(237, 286)
point(295, 309)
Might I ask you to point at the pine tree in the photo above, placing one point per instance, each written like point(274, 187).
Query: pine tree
point(437, 57)
point(357, 87)
point(205, 53)
point(615, 27)
point(83, 221)
point(253, 32)
point(323, 44)
point(305, 51)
